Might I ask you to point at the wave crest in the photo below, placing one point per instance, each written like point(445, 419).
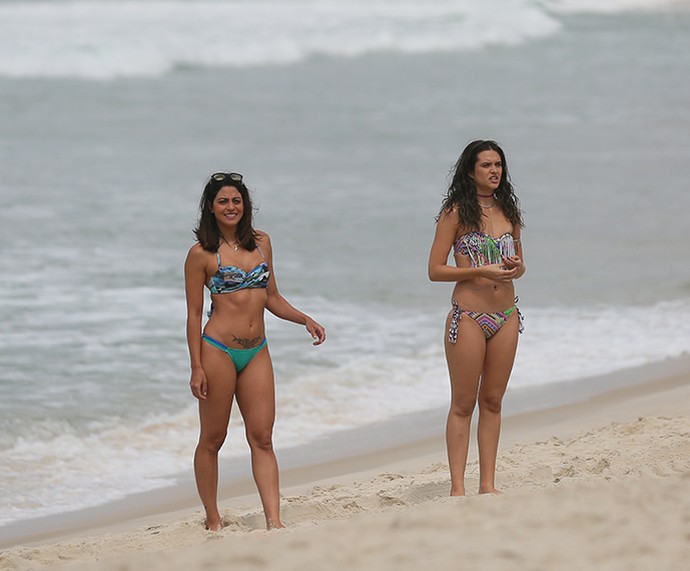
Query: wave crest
point(108, 39)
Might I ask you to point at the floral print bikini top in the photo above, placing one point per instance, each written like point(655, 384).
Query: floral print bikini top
point(483, 249)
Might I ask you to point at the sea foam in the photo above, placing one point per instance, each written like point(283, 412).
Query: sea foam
point(100, 40)
point(108, 39)
point(379, 363)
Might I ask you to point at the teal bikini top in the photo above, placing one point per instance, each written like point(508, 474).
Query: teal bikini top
point(229, 279)
point(483, 249)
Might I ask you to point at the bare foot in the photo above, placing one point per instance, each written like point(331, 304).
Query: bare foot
point(216, 526)
point(490, 490)
point(457, 492)
point(274, 525)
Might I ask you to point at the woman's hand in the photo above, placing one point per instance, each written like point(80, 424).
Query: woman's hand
point(515, 262)
point(512, 262)
point(317, 332)
point(500, 272)
point(199, 384)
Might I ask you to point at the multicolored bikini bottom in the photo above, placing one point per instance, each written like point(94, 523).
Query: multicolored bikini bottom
point(490, 322)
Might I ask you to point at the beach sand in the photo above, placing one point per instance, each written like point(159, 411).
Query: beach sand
point(601, 484)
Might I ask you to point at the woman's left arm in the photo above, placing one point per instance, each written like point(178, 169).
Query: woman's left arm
point(280, 307)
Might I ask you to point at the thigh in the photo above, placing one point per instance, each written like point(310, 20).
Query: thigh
point(499, 359)
point(214, 412)
point(465, 359)
point(256, 392)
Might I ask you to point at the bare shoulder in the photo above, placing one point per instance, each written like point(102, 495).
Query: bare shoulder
point(449, 216)
point(263, 239)
point(449, 221)
point(196, 251)
point(197, 255)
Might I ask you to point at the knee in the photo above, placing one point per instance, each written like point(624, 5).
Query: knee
point(462, 409)
point(261, 440)
point(491, 403)
point(212, 442)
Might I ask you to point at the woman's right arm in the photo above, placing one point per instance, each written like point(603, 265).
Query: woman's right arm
point(194, 279)
point(439, 270)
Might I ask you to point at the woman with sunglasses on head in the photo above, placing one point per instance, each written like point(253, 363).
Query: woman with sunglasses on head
point(230, 358)
point(480, 223)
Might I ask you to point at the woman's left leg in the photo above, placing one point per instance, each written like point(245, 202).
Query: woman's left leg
point(498, 364)
point(255, 395)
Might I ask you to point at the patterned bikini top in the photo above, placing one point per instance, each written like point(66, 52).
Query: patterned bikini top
point(484, 249)
point(229, 279)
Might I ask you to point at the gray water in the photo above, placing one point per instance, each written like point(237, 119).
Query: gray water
point(348, 159)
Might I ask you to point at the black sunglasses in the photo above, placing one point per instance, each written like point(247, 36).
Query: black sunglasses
point(221, 176)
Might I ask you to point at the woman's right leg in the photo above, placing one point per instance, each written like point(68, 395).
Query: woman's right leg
point(214, 416)
point(465, 361)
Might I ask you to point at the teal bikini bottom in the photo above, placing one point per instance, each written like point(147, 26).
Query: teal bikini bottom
point(240, 357)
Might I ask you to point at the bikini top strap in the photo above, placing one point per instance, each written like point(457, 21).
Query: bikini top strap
point(218, 257)
point(260, 252)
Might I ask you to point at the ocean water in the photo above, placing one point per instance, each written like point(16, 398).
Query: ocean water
point(345, 118)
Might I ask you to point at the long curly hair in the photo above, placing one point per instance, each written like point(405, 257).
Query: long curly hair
point(462, 191)
point(207, 232)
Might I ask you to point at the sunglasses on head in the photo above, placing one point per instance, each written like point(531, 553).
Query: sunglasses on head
point(221, 176)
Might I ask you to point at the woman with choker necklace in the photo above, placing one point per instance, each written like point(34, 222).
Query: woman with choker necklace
point(230, 358)
point(480, 222)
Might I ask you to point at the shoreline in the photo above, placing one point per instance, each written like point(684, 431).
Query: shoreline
point(413, 439)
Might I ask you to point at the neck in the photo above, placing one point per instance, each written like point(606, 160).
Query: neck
point(228, 239)
point(489, 200)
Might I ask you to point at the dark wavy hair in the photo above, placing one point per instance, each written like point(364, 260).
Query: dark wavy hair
point(207, 232)
point(462, 192)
